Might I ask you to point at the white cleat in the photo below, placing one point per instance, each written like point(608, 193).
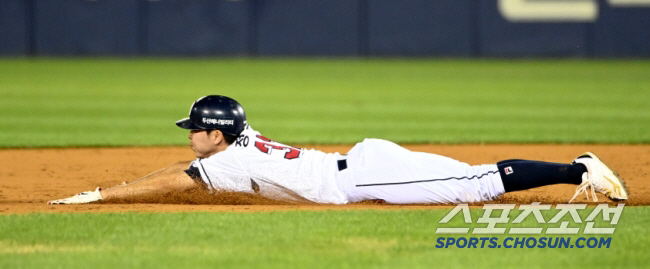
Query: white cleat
point(82, 198)
point(599, 178)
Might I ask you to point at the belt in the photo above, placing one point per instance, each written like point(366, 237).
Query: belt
point(343, 164)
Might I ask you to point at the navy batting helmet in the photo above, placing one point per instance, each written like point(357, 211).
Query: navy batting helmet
point(215, 112)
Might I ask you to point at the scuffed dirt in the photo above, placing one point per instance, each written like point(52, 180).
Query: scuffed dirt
point(31, 177)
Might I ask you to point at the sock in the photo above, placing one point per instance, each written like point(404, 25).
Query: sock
point(523, 174)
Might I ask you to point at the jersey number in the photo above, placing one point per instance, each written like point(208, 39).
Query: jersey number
point(267, 146)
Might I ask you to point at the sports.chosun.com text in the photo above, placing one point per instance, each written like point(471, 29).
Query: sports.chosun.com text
point(523, 242)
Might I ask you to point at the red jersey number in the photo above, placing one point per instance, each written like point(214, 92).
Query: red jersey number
point(268, 145)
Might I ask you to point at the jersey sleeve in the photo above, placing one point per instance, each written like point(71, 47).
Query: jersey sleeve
point(220, 177)
point(194, 173)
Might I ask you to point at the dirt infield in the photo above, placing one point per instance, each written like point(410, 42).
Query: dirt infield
point(31, 177)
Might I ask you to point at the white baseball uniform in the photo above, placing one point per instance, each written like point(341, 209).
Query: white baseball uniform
point(372, 169)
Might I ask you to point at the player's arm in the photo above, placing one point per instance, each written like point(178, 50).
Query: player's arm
point(161, 182)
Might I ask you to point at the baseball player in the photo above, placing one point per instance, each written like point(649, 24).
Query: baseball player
point(231, 156)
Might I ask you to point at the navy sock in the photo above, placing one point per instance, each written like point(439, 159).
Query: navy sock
point(523, 174)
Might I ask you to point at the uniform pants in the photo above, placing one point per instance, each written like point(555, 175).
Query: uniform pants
point(380, 169)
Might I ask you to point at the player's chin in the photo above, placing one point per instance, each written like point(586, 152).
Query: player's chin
point(199, 154)
point(194, 150)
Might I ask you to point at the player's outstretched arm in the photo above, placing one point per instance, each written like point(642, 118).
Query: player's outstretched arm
point(161, 182)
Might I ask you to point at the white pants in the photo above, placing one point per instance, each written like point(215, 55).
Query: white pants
point(379, 169)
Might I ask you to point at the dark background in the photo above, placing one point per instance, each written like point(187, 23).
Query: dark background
point(453, 28)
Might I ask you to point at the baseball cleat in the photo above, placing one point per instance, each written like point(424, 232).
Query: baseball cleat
point(82, 198)
point(599, 178)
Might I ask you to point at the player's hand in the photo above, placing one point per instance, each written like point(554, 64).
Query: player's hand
point(82, 198)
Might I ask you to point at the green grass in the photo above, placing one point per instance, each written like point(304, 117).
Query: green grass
point(297, 239)
point(112, 102)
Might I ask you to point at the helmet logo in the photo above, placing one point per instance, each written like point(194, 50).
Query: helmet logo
point(218, 121)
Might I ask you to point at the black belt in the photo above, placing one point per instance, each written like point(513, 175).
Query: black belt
point(343, 164)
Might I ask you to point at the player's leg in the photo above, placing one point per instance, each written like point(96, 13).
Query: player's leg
point(383, 170)
point(380, 169)
point(587, 170)
point(525, 174)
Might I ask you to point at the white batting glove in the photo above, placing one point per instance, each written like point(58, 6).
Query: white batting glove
point(82, 198)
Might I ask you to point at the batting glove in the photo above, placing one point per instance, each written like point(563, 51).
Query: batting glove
point(82, 198)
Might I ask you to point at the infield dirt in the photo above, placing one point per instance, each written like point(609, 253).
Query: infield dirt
point(31, 177)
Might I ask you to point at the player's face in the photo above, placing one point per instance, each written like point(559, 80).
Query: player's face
point(202, 143)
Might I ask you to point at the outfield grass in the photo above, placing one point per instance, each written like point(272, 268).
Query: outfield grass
point(112, 102)
point(296, 239)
